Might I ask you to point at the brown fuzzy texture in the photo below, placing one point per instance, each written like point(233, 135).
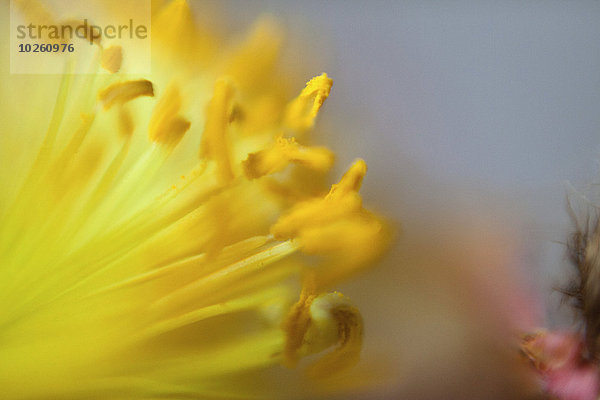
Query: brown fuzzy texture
point(584, 289)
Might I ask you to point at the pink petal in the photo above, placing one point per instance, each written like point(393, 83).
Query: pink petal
point(574, 384)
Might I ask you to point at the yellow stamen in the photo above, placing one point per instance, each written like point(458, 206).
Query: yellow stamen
point(350, 182)
point(167, 127)
point(122, 92)
point(317, 322)
point(301, 112)
point(175, 33)
point(281, 153)
point(215, 145)
point(332, 315)
point(342, 200)
point(349, 244)
point(204, 287)
point(112, 58)
point(336, 226)
point(236, 305)
point(126, 125)
point(253, 62)
point(297, 323)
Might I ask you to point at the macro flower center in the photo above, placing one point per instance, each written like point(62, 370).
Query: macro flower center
point(157, 244)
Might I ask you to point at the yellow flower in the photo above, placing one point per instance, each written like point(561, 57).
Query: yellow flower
point(156, 246)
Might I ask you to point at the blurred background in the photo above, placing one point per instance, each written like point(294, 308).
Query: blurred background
point(477, 120)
